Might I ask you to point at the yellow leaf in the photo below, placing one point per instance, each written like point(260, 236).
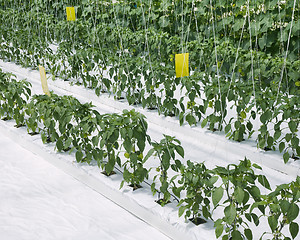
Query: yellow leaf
point(243, 115)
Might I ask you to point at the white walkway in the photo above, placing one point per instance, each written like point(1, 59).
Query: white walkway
point(39, 201)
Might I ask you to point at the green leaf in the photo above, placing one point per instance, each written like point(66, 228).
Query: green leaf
point(236, 235)
point(97, 154)
point(149, 154)
point(286, 157)
point(298, 150)
point(255, 192)
point(141, 144)
point(166, 160)
point(294, 229)
point(219, 230)
point(293, 126)
point(281, 146)
point(190, 119)
point(265, 116)
point(227, 128)
point(243, 115)
point(262, 42)
point(230, 214)
point(295, 142)
point(270, 141)
point(126, 175)
point(293, 212)
point(288, 137)
point(239, 195)
point(257, 166)
point(212, 181)
point(177, 191)
point(95, 140)
point(68, 143)
point(284, 205)
point(181, 211)
point(110, 166)
point(59, 145)
point(127, 145)
point(122, 184)
point(217, 195)
point(164, 187)
point(248, 216)
point(273, 222)
point(248, 234)
point(205, 212)
point(179, 150)
point(264, 181)
point(262, 143)
point(181, 118)
point(255, 219)
point(277, 135)
point(44, 137)
point(249, 126)
point(79, 156)
point(204, 122)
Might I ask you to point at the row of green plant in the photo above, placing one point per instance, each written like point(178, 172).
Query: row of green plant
point(200, 192)
point(127, 49)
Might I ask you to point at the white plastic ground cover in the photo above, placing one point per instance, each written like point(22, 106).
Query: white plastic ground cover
point(199, 145)
point(39, 201)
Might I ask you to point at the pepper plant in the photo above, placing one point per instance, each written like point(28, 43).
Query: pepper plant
point(134, 136)
point(13, 97)
point(166, 151)
point(239, 185)
point(109, 133)
point(199, 183)
point(281, 207)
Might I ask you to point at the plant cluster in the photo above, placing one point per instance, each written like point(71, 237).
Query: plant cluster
point(244, 58)
point(13, 97)
point(201, 192)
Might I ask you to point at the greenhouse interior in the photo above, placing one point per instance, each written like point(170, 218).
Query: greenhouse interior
point(149, 119)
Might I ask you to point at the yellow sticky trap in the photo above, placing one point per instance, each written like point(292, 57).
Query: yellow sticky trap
point(44, 81)
point(70, 13)
point(182, 65)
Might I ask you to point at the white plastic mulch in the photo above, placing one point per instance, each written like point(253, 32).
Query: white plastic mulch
point(39, 201)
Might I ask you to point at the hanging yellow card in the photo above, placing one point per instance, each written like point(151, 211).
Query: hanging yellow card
point(44, 81)
point(70, 13)
point(182, 65)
